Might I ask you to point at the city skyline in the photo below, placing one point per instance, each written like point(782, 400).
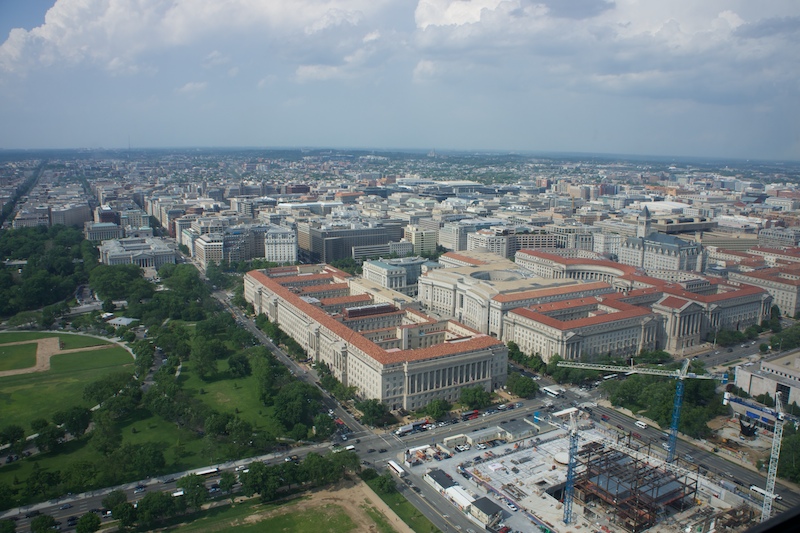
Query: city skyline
point(716, 80)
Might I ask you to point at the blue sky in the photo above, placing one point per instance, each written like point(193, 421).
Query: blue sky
point(717, 78)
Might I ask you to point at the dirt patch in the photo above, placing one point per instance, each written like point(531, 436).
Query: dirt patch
point(45, 349)
point(349, 496)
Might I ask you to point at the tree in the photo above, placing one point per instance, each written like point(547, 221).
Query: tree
point(11, 434)
point(475, 397)
point(49, 438)
point(7, 526)
point(763, 347)
point(239, 365)
point(106, 436)
point(203, 357)
point(297, 402)
point(372, 411)
point(114, 498)
point(88, 523)
point(75, 420)
point(155, 506)
point(385, 483)
point(38, 424)
point(521, 386)
point(125, 513)
point(227, 480)
point(42, 523)
point(437, 409)
point(194, 488)
point(323, 426)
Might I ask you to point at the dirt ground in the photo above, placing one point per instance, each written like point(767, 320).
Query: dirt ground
point(352, 497)
point(46, 348)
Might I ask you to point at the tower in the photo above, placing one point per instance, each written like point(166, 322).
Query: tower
point(643, 223)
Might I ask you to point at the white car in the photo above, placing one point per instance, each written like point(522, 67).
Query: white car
point(511, 506)
point(481, 446)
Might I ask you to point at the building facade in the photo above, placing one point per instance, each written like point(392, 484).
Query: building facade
point(398, 356)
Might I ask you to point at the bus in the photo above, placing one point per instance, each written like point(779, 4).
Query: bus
point(397, 469)
point(470, 415)
point(610, 377)
point(641, 425)
point(552, 392)
point(208, 472)
point(763, 493)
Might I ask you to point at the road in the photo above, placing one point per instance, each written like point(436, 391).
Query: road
point(389, 446)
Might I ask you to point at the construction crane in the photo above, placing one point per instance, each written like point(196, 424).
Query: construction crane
point(680, 375)
point(772, 472)
point(569, 489)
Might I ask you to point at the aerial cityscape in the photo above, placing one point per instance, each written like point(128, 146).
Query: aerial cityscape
point(398, 266)
point(513, 342)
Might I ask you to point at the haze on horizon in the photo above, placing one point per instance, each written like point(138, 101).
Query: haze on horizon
point(719, 78)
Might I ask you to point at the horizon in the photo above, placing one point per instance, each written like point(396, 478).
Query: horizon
point(715, 80)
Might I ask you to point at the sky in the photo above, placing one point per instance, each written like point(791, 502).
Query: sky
point(710, 78)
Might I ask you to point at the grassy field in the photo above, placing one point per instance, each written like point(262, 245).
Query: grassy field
point(407, 512)
point(329, 518)
point(18, 356)
point(39, 394)
point(231, 396)
point(380, 520)
point(68, 341)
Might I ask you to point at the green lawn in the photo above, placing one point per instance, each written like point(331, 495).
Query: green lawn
point(144, 427)
point(407, 512)
point(379, 518)
point(327, 518)
point(17, 356)
point(39, 394)
point(69, 341)
point(229, 395)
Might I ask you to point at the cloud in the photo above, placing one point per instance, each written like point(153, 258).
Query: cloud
point(771, 27)
point(192, 87)
point(215, 59)
point(701, 51)
point(577, 9)
point(96, 32)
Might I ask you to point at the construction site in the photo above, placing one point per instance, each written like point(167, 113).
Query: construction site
point(616, 488)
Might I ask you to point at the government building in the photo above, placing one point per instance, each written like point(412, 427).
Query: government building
point(388, 352)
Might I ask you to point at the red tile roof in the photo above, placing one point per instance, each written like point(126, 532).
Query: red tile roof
point(343, 300)
point(581, 322)
point(673, 301)
point(385, 357)
point(545, 292)
point(464, 258)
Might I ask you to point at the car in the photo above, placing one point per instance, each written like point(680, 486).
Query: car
point(344, 437)
point(169, 480)
point(619, 426)
point(31, 514)
point(730, 350)
point(636, 435)
point(139, 489)
point(371, 450)
point(605, 417)
point(66, 506)
point(416, 489)
point(512, 506)
point(382, 450)
point(663, 437)
point(715, 353)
